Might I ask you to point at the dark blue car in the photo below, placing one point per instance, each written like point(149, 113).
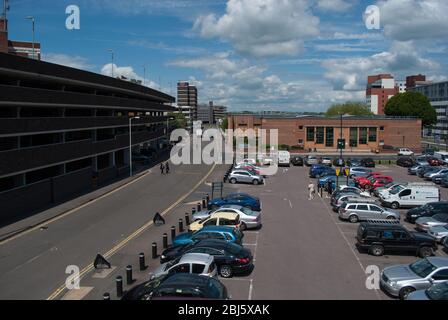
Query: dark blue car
point(318, 170)
point(229, 234)
point(241, 199)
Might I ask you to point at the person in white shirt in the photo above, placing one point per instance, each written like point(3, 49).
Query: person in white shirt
point(311, 190)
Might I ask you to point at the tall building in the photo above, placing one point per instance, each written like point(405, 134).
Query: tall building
point(20, 48)
point(187, 100)
point(380, 88)
point(437, 94)
point(220, 113)
point(65, 130)
point(205, 113)
point(401, 85)
point(414, 80)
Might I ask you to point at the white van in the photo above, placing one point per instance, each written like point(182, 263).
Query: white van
point(441, 155)
point(284, 158)
point(412, 195)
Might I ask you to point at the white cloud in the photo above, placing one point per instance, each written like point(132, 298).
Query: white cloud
point(67, 60)
point(414, 19)
point(262, 28)
point(334, 5)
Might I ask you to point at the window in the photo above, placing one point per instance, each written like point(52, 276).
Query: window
point(405, 193)
point(201, 236)
point(310, 134)
point(381, 128)
point(300, 127)
point(353, 137)
point(329, 137)
point(362, 207)
point(320, 135)
point(441, 275)
point(216, 235)
point(351, 207)
point(213, 252)
point(387, 235)
point(372, 134)
point(362, 135)
point(226, 222)
point(300, 141)
point(182, 268)
point(400, 235)
point(375, 208)
point(211, 222)
point(198, 268)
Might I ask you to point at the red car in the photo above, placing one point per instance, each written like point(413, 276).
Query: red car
point(433, 162)
point(380, 182)
point(359, 180)
point(376, 180)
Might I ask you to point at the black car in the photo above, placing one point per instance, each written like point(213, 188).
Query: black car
point(354, 162)
point(231, 259)
point(427, 210)
point(178, 286)
point(389, 236)
point(445, 244)
point(368, 163)
point(297, 161)
point(405, 162)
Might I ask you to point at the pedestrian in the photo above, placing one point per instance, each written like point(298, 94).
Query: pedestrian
point(311, 191)
point(167, 167)
point(329, 188)
point(162, 168)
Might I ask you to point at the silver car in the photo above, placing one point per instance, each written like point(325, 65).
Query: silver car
point(245, 176)
point(430, 175)
point(348, 197)
point(326, 161)
point(439, 233)
point(198, 263)
point(401, 280)
point(366, 210)
point(424, 223)
point(435, 292)
point(310, 160)
point(359, 172)
point(249, 219)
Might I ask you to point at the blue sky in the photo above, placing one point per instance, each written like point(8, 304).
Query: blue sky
point(291, 55)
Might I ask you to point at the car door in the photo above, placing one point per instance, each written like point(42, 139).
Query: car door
point(363, 211)
point(211, 222)
point(403, 241)
point(405, 197)
point(216, 235)
point(197, 268)
point(180, 268)
point(439, 276)
point(376, 212)
point(219, 255)
point(201, 236)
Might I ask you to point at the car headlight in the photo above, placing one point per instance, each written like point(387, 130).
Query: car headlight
point(163, 256)
point(392, 283)
point(414, 216)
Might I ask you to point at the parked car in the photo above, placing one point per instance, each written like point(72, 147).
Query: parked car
point(338, 162)
point(414, 169)
point(437, 179)
point(399, 281)
point(247, 167)
point(432, 173)
point(249, 219)
point(245, 176)
point(179, 286)
point(297, 161)
point(435, 292)
point(425, 169)
point(317, 170)
point(386, 188)
point(424, 223)
point(427, 210)
point(284, 158)
point(197, 263)
point(337, 202)
point(413, 195)
point(444, 182)
point(429, 151)
point(405, 162)
point(390, 236)
point(439, 233)
point(370, 175)
point(421, 160)
point(405, 152)
point(326, 161)
point(311, 160)
point(223, 218)
point(359, 172)
point(365, 210)
point(435, 162)
point(354, 162)
point(322, 182)
point(368, 163)
point(230, 258)
point(376, 182)
point(210, 232)
point(242, 199)
point(445, 245)
point(442, 156)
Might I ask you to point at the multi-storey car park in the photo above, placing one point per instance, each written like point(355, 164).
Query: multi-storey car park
point(63, 130)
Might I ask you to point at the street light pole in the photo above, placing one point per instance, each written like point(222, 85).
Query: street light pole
point(112, 59)
point(33, 23)
point(130, 144)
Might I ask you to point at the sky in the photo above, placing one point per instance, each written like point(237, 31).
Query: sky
point(254, 55)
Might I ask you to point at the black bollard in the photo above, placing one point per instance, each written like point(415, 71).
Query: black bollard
point(208, 199)
point(106, 296)
point(193, 211)
point(181, 225)
point(154, 250)
point(198, 207)
point(119, 282)
point(203, 203)
point(173, 233)
point(187, 219)
point(129, 279)
point(141, 261)
point(321, 191)
point(165, 241)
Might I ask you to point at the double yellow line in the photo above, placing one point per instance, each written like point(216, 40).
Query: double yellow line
point(135, 234)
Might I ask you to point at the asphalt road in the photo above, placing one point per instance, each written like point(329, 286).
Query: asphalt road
point(33, 266)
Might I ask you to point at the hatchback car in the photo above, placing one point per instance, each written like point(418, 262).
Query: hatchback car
point(310, 160)
point(431, 174)
point(218, 218)
point(355, 212)
point(439, 233)
point(405, 152)
point(197, 263)
point(401, 280)
point(245, 176)
point(368, 163)
point(427, 210)
point(317, 170)
point(210, 232)
point(179, 286)
point(354, 162)
point(297, 161)
point(424, 223)
point(326, 161)
point(414, 169)
point(435, 292)
point(359, 172)
point(249, 219)
point(405, 162)
point(350, 197)
point(242, 199)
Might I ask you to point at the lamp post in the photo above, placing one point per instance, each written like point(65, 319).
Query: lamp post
point(33, 20)
point(112, 59)
point(130, 144)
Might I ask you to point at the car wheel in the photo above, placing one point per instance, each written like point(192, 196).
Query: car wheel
point(425, 252)
point(395, 205)
point(225, 271)
point(255, 182)
point(232, 181)
point(391, 218)
point(405, 292)
point(243, 226)
point(353, 218)
point(377, 250)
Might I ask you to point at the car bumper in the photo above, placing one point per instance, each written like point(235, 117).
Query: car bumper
point(393, 291)
point(422, 228)
point(252, 224)
point(242, 269)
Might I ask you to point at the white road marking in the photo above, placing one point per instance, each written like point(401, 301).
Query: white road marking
point(251, 288)
point(290, 204)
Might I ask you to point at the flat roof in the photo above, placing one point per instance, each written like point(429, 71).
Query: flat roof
point(322, 117)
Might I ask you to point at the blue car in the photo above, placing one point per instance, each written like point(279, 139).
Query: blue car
point(317, 171)
point(241, 199)
point(229, 234)
point(322, 182)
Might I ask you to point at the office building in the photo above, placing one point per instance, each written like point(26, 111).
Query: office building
point(187, 100)
point(205, 113)
point(380, 88)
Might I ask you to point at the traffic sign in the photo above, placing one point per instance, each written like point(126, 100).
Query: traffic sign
point(338, 172)
point(341, 143)
point(347, 171)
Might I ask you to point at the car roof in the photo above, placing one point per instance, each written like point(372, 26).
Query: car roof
point(231, 206)
point(239, 194)
point(223, 214)
point(196, 258)
point(439, 261)
point(215, 243)
point(218, 229)
point(185, 279)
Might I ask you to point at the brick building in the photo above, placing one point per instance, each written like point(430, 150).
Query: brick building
point(19, 48)
point(380, 88)
point(361, 133)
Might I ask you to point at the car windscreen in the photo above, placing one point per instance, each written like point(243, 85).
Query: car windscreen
point(422, 268)
point(248, 212)
point(179, 292)
point(396, 189)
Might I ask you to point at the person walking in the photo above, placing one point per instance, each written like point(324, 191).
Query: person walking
point(329, 188)
point(167, 167)
point(311, 191)
point(162, 168)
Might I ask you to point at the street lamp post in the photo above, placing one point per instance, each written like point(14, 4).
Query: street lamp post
point(130, 144)
point(112, 59)
point(33, 20)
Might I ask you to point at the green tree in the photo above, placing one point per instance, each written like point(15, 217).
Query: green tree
point(351, 108)
point(411, 104)
point(225, 124)
point(179, 119)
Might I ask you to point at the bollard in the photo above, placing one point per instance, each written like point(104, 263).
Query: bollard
point(165, 241)
point(203, 203)
point(141, 261)
point(208, 199)
point(106, 296)
point(119, 282)
point(173, 233)
point(321, 191)
point(193, 211)
point(187, 219)
point(129, 279)
point(198, 207)
point(154, 250)
point(181, 225)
